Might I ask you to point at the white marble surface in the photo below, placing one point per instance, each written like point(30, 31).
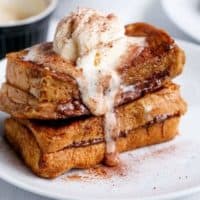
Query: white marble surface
point(150, 11)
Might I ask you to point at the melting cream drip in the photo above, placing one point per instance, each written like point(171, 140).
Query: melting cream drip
point(99, 71)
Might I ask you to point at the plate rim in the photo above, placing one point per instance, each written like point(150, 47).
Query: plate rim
point(165, 5)
point(38, 191)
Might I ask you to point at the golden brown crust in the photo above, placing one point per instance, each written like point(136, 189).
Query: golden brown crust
point(50, 165)
point(154, 35)
point(51, 80)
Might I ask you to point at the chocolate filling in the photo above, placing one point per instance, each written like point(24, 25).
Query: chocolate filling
point(157, 119)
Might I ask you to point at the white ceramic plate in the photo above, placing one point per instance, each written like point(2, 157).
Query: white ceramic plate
point(185, 14)
point(164, 171)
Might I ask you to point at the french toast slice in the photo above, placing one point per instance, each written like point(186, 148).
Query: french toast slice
point(22, 105)
point(50, 165)
point(52, 136)
point(51, 80)
point(51, 148)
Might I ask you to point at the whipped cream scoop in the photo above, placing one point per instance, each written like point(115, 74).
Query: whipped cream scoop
point(84, 31)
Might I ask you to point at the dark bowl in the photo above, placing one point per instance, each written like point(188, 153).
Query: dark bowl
point(25, 33)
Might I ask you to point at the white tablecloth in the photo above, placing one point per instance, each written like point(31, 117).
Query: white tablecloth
point(148, 10)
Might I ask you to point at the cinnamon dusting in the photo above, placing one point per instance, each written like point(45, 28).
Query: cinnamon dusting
point(74, 177)
point(99, 172)
point(120, 170)
point(158, 152)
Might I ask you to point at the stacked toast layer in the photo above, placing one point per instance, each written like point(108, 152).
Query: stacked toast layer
point(50, 165)
point(50, 148)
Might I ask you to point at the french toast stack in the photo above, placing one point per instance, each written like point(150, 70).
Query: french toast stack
point(54, 131)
